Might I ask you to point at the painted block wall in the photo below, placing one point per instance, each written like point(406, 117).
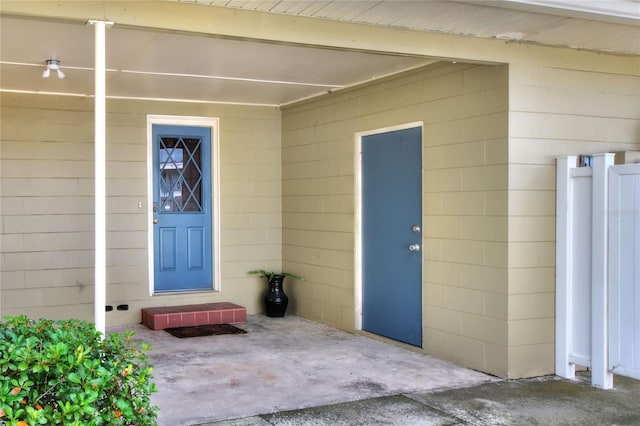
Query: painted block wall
point(554, 112)
point(509, 228)
point(46, 205)
point(465, 114)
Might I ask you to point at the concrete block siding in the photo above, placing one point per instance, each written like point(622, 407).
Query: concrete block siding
point(491, 135)
point(46, 164)
point(465, 113)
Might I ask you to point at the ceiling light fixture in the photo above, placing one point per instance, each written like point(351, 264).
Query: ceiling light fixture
point(53, 64)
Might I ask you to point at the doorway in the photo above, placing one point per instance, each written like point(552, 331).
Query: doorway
point(390, 246)
point(182, 204)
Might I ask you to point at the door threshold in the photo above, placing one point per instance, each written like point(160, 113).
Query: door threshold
point(180, 292)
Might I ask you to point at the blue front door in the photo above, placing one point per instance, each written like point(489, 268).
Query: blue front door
point(182, 208)
point(391, 170)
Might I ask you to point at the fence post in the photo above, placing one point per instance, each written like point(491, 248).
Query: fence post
point(564, 217)
point(600, 375)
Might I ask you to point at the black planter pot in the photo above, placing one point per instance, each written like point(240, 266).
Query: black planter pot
point(275, 300)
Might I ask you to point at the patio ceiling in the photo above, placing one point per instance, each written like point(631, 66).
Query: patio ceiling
point(148, 64)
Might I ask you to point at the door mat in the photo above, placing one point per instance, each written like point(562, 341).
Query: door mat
point(204, 330)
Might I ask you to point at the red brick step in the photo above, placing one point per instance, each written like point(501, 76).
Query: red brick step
point(163, 317)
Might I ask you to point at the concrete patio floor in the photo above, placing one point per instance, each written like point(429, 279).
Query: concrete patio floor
point(283, 364)
point(293, 372)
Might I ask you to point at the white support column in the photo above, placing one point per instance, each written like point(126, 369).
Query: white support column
point(564, 217)
point(600, 375)
point(100, 175)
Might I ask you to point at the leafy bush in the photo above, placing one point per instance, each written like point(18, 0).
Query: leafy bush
point(62, 372)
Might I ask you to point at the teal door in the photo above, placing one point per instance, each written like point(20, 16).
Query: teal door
point(391, 173)
point(182, 208)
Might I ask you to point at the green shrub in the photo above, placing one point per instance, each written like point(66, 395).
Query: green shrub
point(62, 372)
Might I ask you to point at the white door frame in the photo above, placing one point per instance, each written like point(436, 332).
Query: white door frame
point(358, 209)
point(176, 120)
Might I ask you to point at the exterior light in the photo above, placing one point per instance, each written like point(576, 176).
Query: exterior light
point(53, 64)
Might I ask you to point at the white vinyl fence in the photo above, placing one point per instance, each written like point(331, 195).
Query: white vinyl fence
point(624, 270)
point(598, 269)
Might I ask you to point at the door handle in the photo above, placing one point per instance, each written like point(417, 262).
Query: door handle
point(156, 220)
point(414, 247)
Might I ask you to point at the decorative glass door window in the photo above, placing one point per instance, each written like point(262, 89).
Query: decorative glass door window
point(180, 174)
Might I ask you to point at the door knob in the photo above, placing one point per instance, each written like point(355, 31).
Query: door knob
point(414, 247)
point(416, 228)
point(156, 220)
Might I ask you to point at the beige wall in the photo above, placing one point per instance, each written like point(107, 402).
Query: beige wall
point(553, 112)
point(489, 204)
point(46, 246)
point(465, 114)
